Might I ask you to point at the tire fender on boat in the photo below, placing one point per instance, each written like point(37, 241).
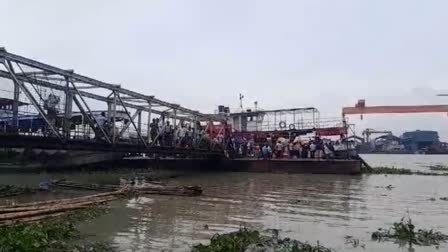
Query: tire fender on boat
point(282, 124)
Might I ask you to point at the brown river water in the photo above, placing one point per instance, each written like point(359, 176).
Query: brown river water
point(324, 208)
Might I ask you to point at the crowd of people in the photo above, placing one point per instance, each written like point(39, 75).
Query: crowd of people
point(182, 135)
point(283, 148)
point(163, 133)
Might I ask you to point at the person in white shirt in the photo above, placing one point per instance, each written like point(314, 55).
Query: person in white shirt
point(312, 149)
point(181, 135)
point(101, 119)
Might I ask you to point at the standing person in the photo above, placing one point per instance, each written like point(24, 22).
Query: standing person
point(269, 152)
point(299, 149)
point(171, 135)
point(182, 135)
point(292, 152)
point(269, 140)
point(312, 149)
point(278, 150)
point(305, 150)
point(50, 104)
point(189, 137)
point(161, 124)
point(258, 152)
point(244, 149)
point(327, 150)
point(265, 151)
point(167, 134)
point(102, 121)
point(175, 140)
point(250, 148)
point(154, 130)
point(319, 148)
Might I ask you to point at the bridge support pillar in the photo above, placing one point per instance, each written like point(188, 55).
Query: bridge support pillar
point(15, 107)
point(67, 113)
point(139, 121)
point(114, 115)
point(174, 119)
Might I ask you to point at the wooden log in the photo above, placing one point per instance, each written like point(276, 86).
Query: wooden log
point(41, 207)
point(76, 185)
point(53, 209)
point(65, 201)
point(83, 187)
point(151, 189)
point(179, 191)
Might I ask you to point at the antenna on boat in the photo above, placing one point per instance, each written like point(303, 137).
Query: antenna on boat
point(241, 101)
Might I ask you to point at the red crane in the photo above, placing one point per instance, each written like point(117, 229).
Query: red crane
point(361, 108)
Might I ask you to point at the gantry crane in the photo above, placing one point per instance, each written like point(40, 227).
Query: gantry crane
point(361, 108)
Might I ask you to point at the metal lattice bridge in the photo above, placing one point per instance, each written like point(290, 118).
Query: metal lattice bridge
point(46, 107)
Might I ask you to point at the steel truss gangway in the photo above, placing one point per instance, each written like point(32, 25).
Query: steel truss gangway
point(33, 142)
point(29, 77)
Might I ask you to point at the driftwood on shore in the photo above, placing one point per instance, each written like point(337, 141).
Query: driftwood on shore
point(37, 211)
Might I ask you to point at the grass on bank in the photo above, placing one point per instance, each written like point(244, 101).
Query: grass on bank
point(249, 240)
point(405, 232)
point(59, 234)
point(11, 190)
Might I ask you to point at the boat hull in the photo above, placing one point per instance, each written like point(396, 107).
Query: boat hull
point(312, 166)
point(295, 166)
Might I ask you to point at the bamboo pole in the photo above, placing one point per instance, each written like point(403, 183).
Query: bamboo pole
point(53, 209)
point(41, 207)
point(63, 201)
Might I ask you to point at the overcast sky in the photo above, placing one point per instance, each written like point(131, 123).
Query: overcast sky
point(283, 54)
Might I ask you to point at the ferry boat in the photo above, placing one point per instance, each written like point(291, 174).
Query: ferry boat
point(304, 124)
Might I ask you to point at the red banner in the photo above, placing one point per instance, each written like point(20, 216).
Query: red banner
point(335, 131)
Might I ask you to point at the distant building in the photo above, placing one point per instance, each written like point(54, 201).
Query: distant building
point(420, 139)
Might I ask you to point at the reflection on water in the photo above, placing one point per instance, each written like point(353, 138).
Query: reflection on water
point(305, 207)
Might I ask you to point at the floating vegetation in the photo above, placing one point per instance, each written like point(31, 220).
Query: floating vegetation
point(354, 242)
point(10, 190)
point(249, 240)
point(438, 167)
point(429, 173)
point(404, 232)
point(388, 170)
point(389, 187)
point(399, 171)
point(56, 235)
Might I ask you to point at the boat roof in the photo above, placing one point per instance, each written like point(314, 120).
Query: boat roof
point(261, 111)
